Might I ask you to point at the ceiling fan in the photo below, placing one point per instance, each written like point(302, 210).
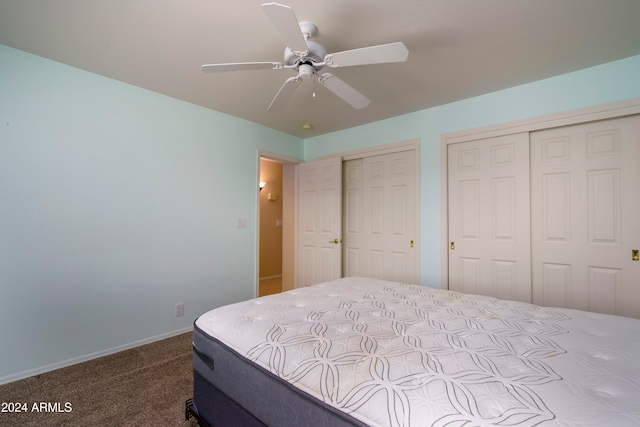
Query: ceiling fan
point(308, 58)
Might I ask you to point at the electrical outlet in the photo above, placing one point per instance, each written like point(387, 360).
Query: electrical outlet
point(179, 309)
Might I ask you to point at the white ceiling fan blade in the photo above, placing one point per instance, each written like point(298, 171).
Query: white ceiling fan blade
point(240, 66)
point(392, 52)
point(344, 91)
point(287, 25)
point(284, 94)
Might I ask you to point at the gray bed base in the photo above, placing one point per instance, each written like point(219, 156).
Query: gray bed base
point(231, 390)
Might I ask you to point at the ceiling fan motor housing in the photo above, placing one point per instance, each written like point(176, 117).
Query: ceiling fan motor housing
point(316, 53)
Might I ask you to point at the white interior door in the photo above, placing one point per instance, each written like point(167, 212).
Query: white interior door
point(319, 221)
point(489, 218)
point(389, 217)
point(380, 217)
point(586, 224)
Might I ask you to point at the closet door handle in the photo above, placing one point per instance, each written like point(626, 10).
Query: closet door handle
point(334, 241)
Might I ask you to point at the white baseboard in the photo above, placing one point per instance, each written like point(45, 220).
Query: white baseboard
point(75, 360)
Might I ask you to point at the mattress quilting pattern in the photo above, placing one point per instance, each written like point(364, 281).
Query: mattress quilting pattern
point(392, 354)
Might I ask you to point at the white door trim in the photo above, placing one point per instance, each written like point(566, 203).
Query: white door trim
point(583, 115)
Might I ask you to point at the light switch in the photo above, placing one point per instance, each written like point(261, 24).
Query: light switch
point(241, 222)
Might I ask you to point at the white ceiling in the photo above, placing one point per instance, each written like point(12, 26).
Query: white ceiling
point(457, 49)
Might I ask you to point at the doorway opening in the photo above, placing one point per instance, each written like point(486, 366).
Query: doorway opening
point(271, 224)
point(275, 223)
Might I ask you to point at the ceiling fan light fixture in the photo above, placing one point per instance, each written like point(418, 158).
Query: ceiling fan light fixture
point(305, 71)
point(308, 58)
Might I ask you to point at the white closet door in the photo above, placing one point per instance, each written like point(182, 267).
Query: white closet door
point(489, 218)
point(389, 217)
point(380, 220)
point(319, 221)
point(586, 220)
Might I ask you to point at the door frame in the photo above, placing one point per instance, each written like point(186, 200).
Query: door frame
point(290, 203)
point(565, 118)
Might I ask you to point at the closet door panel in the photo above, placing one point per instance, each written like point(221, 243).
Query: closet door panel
point(585, 217)
point(389, 220)
point(468, 270)
point(489, 217)
point(556, 285)
point(556, 207)
point(380, 217)
point(469, 209)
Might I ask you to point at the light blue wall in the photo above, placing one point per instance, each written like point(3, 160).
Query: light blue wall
point(115, 204)
point(606, 83)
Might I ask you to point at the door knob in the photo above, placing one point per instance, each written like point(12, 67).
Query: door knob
point(336, 241)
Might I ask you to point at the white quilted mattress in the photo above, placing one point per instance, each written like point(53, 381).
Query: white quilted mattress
point(393, 354)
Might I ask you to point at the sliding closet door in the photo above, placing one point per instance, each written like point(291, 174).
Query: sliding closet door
point(489, 218)
point(389, 220)
point(380, 217)
point(586, 220)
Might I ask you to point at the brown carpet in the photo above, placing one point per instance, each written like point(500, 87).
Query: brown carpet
point(143, 386)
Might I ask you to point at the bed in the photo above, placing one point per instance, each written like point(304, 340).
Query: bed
point(366, 352)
